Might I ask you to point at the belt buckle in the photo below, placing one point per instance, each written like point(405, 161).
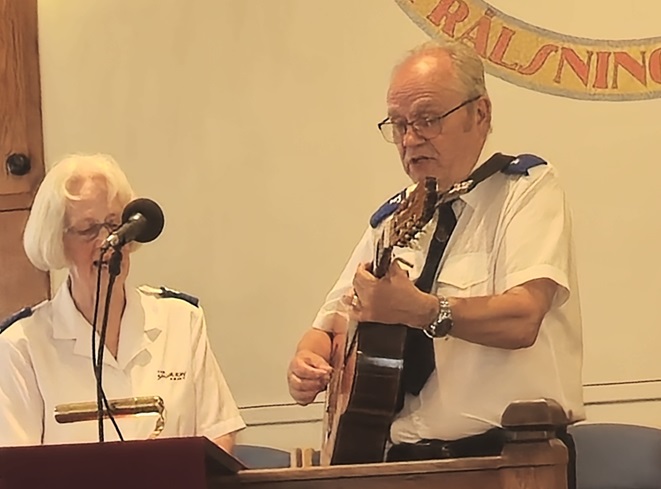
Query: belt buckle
point(445, 450)
point(437, 449)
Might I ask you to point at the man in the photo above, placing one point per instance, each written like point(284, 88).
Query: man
point(503, 308)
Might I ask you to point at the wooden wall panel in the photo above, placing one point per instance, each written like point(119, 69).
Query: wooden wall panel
point(21, 151)
point(20, 283)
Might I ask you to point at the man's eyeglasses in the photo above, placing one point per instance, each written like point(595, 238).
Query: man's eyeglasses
point(426, 127)
point(91, 232)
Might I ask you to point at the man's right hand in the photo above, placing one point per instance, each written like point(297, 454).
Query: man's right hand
point(307, 376)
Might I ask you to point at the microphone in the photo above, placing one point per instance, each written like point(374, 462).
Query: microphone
point(142, 221)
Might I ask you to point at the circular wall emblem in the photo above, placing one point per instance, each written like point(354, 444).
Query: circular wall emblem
point(543, 60)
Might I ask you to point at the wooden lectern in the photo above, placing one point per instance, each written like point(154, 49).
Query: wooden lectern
point(167, 463)
point(533, 459)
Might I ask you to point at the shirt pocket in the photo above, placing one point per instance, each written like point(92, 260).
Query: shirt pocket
point(464, 275)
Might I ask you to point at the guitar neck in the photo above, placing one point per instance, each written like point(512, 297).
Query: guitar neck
point(382, 260)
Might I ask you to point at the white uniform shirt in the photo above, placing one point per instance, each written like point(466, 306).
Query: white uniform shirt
point(45, 361)
point(510, 230)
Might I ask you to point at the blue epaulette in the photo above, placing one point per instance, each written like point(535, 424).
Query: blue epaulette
point(26, 312)
point(522, 163)
point(387, 209)
point(165, 293)
point(518, 166)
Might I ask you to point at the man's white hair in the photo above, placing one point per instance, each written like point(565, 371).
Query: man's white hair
point(468, 67)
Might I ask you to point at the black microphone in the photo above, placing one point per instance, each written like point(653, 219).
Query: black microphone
point(142, 221)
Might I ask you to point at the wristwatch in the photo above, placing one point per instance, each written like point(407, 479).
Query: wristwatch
point(443, 323)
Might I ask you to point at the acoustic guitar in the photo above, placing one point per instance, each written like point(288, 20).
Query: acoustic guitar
point(364, 392)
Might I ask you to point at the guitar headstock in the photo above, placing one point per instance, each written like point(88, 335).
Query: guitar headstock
point(413, 213)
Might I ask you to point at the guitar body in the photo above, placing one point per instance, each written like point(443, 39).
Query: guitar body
point(363, 394)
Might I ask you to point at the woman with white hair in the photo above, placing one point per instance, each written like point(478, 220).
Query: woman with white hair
point(155, 344)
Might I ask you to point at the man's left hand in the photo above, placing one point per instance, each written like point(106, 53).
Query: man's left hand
point(392, 299)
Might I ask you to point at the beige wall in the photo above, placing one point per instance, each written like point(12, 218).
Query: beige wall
point(252, 122)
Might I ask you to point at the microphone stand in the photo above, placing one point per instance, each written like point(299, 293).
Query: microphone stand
point(114, 269)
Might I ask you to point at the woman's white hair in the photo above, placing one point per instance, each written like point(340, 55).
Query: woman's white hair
point(468, 67)
point(43, 238)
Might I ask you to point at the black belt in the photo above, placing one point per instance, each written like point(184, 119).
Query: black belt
point(486, 444)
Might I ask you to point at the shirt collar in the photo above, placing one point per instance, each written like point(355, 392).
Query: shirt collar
point(473, 197)
point(70, 324)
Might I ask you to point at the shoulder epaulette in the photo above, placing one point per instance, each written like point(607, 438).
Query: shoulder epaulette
point(26, 312)
point(518, 166)
point(165, 293)
point(387, 209)
point(522, 163)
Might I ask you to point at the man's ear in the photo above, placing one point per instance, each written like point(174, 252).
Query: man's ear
point(483, 111)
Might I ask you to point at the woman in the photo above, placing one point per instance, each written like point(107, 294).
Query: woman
point(155, 346)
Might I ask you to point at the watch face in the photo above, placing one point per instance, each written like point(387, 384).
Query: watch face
point(444, 327)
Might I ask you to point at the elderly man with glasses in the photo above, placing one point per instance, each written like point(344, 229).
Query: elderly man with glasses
point(490, 303)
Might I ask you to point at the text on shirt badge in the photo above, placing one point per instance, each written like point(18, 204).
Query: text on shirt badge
point(162, 374)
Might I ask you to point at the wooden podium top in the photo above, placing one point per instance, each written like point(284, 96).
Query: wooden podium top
point(532, 459)
point(534, 465)
point(167, 463)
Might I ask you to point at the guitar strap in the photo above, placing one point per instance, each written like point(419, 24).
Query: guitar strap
point(419, 361)
point(497, 162)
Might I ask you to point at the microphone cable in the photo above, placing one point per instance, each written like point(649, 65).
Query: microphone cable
point(101, 399)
